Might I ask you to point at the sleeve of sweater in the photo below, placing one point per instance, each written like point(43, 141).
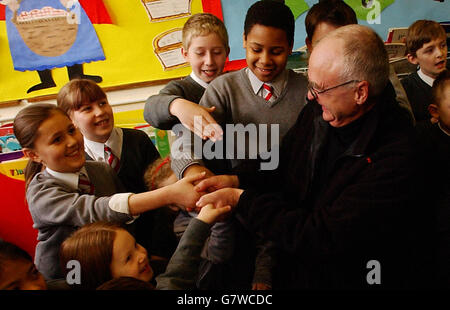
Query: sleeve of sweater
point(189, 147)
point(52, 204)
point(156, 109)
point(181, 272)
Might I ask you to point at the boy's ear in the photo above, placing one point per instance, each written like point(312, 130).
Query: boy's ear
point(412, 59)
point(184, 53)
point(244, 41)
point(433, 109)
point(31, 155)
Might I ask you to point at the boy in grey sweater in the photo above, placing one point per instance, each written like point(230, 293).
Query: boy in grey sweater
point(255, 106)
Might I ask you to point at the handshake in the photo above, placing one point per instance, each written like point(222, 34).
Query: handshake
point(212, 196)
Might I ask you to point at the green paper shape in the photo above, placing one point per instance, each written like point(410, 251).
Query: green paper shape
point(362, 12)
point(298, 7)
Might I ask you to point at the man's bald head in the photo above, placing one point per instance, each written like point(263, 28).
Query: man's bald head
point(362, 53)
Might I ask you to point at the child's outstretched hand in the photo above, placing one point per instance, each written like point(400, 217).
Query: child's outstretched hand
point(197, 119)
point(183, 192)
point(209, 214)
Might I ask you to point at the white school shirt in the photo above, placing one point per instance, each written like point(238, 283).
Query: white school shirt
point(278, 84)
point(117, 203)
point(198, 80)
point(425, 78)
point(96, 150)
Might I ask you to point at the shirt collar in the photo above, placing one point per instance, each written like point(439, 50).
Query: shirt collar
point(97, 150)
point(425, 78)
point(68, 178)
point(278, 83)
point(198, 80)
point(443, 130)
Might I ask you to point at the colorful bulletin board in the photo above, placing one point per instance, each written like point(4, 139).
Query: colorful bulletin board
point(394, 13)
point(140, 40)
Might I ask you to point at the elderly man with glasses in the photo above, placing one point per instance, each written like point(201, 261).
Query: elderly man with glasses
point(343, 206)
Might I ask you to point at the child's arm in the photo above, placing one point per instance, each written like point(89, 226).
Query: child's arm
point(156, 110)
point(181, 193)
point(182, 270)
point(196, 118)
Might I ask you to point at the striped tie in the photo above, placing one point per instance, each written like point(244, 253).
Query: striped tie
point(113, 161)
point(269, 90)
point(85, 186)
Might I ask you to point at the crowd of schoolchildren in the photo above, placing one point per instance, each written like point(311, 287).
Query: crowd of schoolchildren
point(102, 196)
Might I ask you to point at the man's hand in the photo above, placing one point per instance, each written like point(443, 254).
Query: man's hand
point(217, 182)
point(196, 118)
point(221, 198)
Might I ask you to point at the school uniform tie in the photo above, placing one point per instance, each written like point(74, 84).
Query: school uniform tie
point(85, 186)
point(269, 91)
point(113, 160)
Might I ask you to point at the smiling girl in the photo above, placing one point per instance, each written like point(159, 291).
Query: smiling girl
point(65, 192)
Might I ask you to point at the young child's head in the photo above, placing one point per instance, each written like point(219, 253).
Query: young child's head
point(105, 251)
point(86, 104)
point(440, 107)
point(426, 46)
point(17, 270)
point(268, 38)
point(205, 45)
point(159, 174)
point(324, 17)
point(49, 138)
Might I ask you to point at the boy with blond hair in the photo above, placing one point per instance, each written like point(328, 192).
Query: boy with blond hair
point(426, 47)
point(205, 48)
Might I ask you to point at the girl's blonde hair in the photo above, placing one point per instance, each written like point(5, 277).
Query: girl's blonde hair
point(26, 129)
point(92, 247)
point(78, 92)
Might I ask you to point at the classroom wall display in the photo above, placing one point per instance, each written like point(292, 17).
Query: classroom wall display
point(162, 10)
point(378, 14)
point(122, 36)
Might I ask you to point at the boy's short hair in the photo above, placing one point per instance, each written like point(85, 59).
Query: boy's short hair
point(338, 14)
point(271, 14)
point(78, 92)
point(158, 171)
point(421, 32)
point(203, 24)
point(439, 86)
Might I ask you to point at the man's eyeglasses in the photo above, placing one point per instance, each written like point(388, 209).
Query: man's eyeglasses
point(316, 92)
